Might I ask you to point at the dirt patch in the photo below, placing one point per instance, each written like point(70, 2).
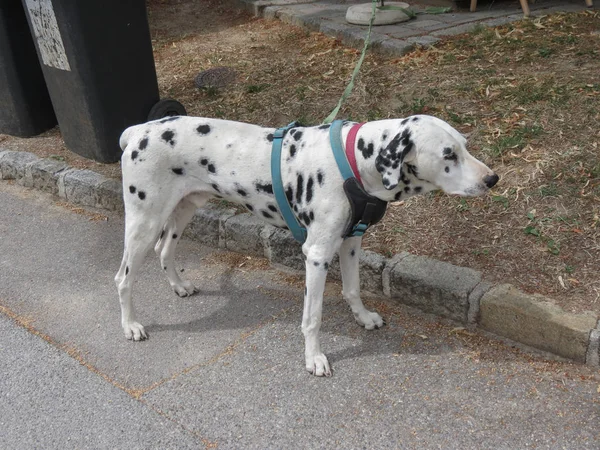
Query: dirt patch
point(527, 94)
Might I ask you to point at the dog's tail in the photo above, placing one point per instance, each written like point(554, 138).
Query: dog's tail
point(125, 136)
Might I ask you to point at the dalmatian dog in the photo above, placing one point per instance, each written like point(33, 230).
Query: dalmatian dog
point(175, 165)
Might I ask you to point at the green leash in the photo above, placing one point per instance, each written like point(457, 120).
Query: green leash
point(350, 86)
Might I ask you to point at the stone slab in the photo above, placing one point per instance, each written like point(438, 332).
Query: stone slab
point(242, 234)
point(42, 174)
point(534, 320)
point(434, 286)
point(14, 164)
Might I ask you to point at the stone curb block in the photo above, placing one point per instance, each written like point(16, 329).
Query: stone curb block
point(243, 234)
point(592, 357)
point(110, 195)
point(534, 320)
point(13, 164)
point(371, 266)
point(81, 186)
point(434, 286)
point(208, 225)
point(281, 248)
point(43, 174)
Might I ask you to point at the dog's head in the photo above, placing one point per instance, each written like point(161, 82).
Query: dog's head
point(432, 152)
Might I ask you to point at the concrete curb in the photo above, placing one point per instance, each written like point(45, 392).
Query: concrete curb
point(436, 287)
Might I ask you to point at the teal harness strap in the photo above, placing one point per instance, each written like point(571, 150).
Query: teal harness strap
point(335, 138)
point(298, 231)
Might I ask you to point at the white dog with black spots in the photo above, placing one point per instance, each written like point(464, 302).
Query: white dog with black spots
point(175, 165)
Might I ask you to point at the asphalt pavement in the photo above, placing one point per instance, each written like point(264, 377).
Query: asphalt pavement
point(225, 368)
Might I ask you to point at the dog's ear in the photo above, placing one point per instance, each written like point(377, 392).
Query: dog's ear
point(390, 159)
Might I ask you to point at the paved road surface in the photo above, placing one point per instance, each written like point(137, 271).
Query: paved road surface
point(225, 367)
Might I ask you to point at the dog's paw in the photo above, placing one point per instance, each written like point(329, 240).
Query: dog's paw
point(318, 365)
point(369, 320)
point(135, 331)
point(185, 289)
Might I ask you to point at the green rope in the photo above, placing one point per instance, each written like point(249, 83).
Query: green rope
point(350, 86)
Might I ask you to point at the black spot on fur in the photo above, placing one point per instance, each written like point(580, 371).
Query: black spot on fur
point(305, 219)
point(141, 195)
point(143, 143)
point(127, 270)
point(174, 236)
point(249, 207)
point(289, 193)
point(266, 214)
point(242, 192)
point(270, 137)
point(447, 169)
point(292, 151)
point(203, 129)
point(407, 189)
point(418, 189)
point(211, 168)
point(353, 252)
point(398, 196)
point(320, 177)
point(177, 171)
point(404, 122)
point(412, 170)
point(215, 187)
point(300, 188)
point(134, 154)
point(309, 189)
point(297, 135)
point(367, 151)
point(203, 161)
point(316, 264)
point(311, 215)
point(295, 208)
point(132, 189)
point(168, 136)
point(449, 154)
point(324, 127)
point(162, 233)
point(326, 266)
point(273, 208)
point(268, 188)
point(165, 268)
point(415, 119)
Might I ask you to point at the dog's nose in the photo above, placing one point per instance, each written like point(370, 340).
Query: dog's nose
point(491, 180)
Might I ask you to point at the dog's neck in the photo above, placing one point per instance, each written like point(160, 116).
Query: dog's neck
point(409, 185)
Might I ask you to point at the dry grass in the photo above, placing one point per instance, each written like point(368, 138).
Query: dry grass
point(528, 95)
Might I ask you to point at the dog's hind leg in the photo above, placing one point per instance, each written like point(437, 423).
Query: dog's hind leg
point(349, 261)
point(165, 247)
point(139, 237)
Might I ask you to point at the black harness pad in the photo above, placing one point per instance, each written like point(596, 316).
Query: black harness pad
point(365, 208)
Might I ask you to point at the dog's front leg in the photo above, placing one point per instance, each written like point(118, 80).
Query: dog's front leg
point(318, 259)
point(349, 262)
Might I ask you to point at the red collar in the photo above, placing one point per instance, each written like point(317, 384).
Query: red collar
point(350, 149)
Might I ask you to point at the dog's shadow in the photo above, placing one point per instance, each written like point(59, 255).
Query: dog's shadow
point(252, 307)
